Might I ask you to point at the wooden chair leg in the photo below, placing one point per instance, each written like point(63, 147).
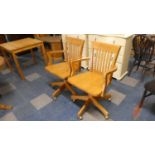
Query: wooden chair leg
point(57, 92)
point(137, 109)
point(100, 107)
point(132, 67)
point(83, 109)
point(154, 71)
point(5, 107)
point(70, 88)
point(56, 84)
point(76, 97)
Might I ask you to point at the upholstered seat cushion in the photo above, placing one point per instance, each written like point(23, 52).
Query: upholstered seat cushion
point(89, 82)
point(61, 70)
point(150, 86)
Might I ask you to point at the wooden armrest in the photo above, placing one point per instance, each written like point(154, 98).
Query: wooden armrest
point(52, 54)
point(74, 65)
point(111, 71)
point(108, 80)
point(82, 59)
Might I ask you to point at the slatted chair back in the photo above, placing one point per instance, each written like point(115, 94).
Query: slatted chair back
point(104, 58)
point(73, 49)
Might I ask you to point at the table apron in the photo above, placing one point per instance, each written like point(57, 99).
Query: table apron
point(22, 49)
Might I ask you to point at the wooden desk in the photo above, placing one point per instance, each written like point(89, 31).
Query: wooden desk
point(3, 106)
point(19, 46)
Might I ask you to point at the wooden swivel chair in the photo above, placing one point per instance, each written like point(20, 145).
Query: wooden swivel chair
point(72, 63)
point(96, 81)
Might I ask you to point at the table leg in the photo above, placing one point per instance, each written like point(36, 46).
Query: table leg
point(43, 52)
point(33, 56)
point(7, 61)
point(18, 67)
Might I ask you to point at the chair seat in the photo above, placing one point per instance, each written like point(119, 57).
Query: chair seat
point(61, 70)
point(150, 86)
point(89, 82)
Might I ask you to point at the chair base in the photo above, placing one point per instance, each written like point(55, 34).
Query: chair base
point(62, 85)
point(5, 107)
point(91, 99)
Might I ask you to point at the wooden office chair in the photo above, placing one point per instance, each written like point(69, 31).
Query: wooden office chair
point(71, 65)
point(3, 106)
point(96, 81)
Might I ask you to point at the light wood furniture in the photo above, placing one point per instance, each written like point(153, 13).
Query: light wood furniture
point(95, 81)
point(19, 46)
point(124, 40)
point(84, 37)
point(3, 106)
point(71, 65)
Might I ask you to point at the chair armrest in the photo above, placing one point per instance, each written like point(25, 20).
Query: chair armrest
point(111, 71)
point(82, 59)
point(52, 54)
point(108, 79)
point(74, 65)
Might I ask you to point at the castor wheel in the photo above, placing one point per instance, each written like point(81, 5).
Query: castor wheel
point(73, 100)
point(80, 117)
point(110, 99)
point(106, 117)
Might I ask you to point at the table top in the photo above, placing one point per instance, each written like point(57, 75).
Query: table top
point(19, 44)
point(50, 39)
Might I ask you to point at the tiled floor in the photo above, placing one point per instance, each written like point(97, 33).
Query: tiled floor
point(31, 98)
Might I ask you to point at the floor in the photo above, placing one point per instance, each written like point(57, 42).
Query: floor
point(32, 102)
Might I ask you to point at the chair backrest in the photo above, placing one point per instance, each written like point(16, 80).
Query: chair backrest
point(148, 50)
point(104, 58)
point(143, 47)
point(73, 49)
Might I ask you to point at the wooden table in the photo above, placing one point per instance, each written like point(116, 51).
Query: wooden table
point(19, 46)
point(3, 106)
